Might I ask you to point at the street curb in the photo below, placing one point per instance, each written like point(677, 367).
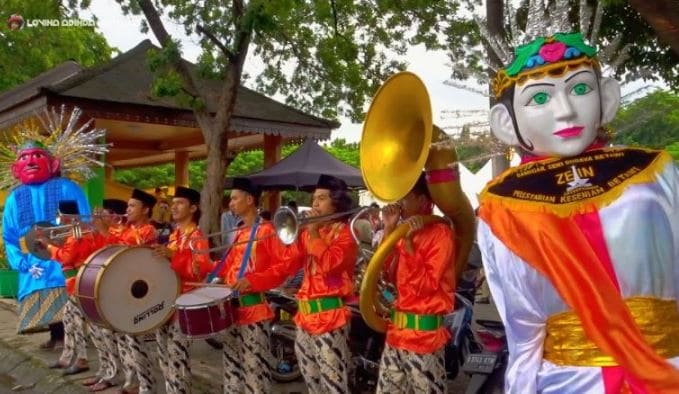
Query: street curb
point(32, 374)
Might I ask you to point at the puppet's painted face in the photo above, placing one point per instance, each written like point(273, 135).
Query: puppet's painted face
point(559, 116)
point(34, 165)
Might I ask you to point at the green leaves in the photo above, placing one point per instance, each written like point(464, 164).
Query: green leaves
point(651, 121)
point(33, 50)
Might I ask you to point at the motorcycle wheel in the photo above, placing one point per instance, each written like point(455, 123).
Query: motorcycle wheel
point(452, 363)
point(284, 365)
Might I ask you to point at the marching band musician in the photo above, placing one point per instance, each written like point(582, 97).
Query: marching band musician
point(328, 253)
point(137, 231)
point(173, 348)
point(423, 271)
point(71, 255)
point(246, 344)
point(104, 339)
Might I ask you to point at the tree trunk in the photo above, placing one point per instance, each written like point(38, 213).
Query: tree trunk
point(215, 132)
point(494, 17)
point(213, 188)
point(663, 16)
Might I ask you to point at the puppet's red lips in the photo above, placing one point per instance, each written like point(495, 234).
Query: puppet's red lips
point(569, 132)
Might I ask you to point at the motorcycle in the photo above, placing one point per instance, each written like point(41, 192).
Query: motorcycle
point(487, 367)
point(282, 338)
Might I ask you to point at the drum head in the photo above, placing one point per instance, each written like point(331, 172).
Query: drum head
point(136, 291)
point(203, 296)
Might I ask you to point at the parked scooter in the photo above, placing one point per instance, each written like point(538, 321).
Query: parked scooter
point(487, 367)
point(282, 339)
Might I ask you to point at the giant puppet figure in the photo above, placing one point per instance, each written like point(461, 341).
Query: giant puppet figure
point(581, 242)
point(35, 198)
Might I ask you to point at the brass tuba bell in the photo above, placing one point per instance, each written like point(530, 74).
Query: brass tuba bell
point(395, 146)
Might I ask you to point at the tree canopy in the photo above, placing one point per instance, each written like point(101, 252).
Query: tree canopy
point(27, 52)
point(326, 58)
point(649, 58)
point(651, 121)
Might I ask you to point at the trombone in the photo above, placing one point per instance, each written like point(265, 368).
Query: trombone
point(287, 225)
point(117, 219)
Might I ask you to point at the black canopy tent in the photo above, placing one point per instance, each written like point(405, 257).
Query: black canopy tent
point(300, 170)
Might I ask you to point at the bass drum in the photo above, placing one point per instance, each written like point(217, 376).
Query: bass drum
point(127, 289)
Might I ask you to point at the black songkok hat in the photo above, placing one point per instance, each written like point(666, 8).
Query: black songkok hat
point(184, 192)
point(69, 207)
point(421, 185)
point(246, 185)
point(331, 183)
point(148, 200)
point(114, 205)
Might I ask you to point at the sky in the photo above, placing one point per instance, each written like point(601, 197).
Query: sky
point(122, 31)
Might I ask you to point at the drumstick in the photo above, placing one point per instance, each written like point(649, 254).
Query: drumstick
point(203, 284)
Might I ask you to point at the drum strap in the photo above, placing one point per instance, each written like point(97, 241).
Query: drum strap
point(246, 256)
point(248, 249)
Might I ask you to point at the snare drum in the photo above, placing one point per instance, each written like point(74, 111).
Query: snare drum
point(127, 289)
point(204, 312)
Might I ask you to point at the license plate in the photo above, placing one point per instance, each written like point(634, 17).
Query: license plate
point(480, 363)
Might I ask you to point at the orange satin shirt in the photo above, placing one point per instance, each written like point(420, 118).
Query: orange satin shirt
point(183, 259)
point(133, 235)
point(328, 264)
point(425, 285)
point(263, 254)
point(74, 252)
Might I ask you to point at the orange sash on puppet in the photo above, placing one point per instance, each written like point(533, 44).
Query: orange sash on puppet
point(578, 274)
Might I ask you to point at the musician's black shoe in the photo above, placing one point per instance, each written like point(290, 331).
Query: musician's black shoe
point(214, 343)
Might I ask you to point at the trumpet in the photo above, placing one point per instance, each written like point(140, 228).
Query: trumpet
point(117, 219)
point(75, 230)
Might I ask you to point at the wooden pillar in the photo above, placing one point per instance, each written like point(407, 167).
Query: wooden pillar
point(94, 187)
point(108, 172)
point(181, 168)
point(272, 154)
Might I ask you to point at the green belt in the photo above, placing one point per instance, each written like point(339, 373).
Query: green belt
point(70, 273)
point(251, 299)
point(413, 321)
point(319, 305)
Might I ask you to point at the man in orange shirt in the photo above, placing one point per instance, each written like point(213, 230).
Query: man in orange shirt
point(71, 255)
point(423, 270)
point(104, 339)
point(137, 231)
point(327, 252)
point(246, 344)
point(173, 348)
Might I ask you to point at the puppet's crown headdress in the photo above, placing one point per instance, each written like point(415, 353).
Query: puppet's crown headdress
point(78, 147)
point(545, 56)
point(544, 47)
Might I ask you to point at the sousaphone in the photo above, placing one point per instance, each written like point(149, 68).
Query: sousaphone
point(395, 146)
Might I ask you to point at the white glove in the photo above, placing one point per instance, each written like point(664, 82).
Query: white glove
point(35, 271)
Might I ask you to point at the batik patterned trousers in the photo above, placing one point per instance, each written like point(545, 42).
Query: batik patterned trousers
point(247, 359)
point(107, 350)
point(40, 309)
point(324, 359)
point(75, 344)
point(136, 362)
point(403, 371)
point(173, 356)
